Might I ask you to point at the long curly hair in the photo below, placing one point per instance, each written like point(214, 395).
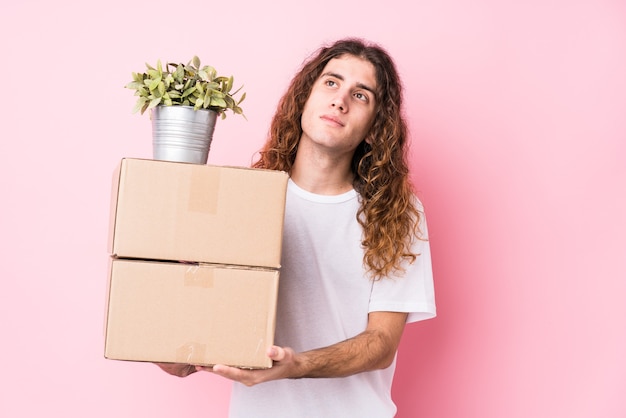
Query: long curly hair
point(388, 213)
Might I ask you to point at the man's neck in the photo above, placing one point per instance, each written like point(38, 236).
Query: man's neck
point(321, 175)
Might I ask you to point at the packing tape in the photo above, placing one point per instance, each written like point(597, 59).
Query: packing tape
point(199, 276)
point(191, 353)
point(204, 190)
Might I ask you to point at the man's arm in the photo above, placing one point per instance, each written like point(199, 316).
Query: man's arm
point(374, 348)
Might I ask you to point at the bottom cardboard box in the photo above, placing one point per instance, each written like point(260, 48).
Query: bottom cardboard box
point(187, 313)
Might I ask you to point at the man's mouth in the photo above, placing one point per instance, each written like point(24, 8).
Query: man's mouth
point(332, 119)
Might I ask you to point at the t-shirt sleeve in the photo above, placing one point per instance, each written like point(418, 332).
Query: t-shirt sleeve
point(412, 292)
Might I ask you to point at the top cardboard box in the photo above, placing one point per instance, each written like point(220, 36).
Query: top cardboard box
point(201, 213)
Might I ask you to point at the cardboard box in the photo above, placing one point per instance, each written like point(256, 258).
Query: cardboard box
point(193, 314)
point(202, 213)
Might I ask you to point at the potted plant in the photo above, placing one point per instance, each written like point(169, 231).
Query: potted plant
point(184, 101)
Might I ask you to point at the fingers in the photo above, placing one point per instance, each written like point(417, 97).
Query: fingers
point(220, 369)
point(247, 377)
point(175, 369)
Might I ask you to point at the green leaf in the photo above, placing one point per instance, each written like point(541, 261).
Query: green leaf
point(230, 103)
point(189, 91)
point(154, 102)
point(139, 104)
point(229, 84)
point(190, 72)
point(169, 79)
point(212, 73)
point(144, 108)
point(221, 79)
point(218, 102)
point(154, 84)
point(238, 111)
point(154, 74)
point(179, 74)
point(134, 85)
point(196, 62)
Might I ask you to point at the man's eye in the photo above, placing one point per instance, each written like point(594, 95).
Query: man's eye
point(330, 83)
point(360, 96)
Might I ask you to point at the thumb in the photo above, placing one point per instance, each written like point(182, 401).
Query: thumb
point(276, 353)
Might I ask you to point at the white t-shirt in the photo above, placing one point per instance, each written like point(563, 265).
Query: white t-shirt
point(325, 298)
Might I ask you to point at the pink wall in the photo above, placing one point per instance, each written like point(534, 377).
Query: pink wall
point(517, 110)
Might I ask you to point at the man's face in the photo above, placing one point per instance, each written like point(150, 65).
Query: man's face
point(340, 109)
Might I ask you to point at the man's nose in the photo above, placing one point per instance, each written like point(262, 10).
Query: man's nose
point(340, 102)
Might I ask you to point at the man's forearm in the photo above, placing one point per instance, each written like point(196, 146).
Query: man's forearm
point(375, 348)
point(365, 352)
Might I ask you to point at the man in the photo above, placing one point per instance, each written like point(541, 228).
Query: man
point(356, 262)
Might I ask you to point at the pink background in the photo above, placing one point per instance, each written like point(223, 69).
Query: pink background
point(518, 115)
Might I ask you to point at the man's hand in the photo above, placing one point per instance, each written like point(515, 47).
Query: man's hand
point(176, 369)
point(285, 365)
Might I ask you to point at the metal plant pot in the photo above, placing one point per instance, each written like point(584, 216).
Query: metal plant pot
point(182, 134)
